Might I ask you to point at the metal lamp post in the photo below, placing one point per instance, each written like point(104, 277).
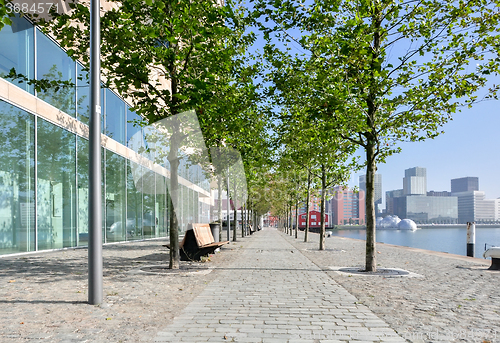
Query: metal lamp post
point(95, 196)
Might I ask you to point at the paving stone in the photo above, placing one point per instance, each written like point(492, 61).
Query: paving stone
point(282, 298)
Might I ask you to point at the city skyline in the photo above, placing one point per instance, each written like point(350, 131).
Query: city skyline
point(467, 148)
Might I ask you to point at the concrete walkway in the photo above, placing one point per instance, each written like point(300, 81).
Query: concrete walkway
point(273, 293)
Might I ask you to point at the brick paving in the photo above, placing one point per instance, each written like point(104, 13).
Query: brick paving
point(268, 287)
point(272, 293)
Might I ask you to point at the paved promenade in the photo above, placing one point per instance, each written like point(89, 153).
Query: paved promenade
point(273, 293)
point(268, 287)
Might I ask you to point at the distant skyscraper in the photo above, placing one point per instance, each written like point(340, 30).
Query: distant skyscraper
point(472, 203)
point(377, 181)
point(415, 181)
point(465, 184)
point(348, 207)
point(414, 202)
point(472, 207)
point(390, 200)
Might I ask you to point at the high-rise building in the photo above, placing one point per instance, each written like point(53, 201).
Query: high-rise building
point(474, 207)
point(348, 207)
point(377, 182)
point(497, 210)
point(414, 202)
point(390, 197)
point(465, 184)
point(429, 209)
point(472, 203)
point(468, 205)
point(415, 181)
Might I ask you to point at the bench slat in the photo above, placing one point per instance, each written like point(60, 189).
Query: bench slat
point(203, 234)
point(198, 241)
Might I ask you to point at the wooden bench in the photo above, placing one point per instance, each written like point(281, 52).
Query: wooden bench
point(197, 242)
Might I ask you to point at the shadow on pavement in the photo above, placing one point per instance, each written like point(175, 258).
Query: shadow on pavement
point(42, 302)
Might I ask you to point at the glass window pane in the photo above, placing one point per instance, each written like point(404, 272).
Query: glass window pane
point(161, 209)
point(132, 126)
point(181, 211)
point(17, 166)
point(134, 201)
point(54, 64)
point(56, 187)
point(115, 197)
point(103, 101)
point(83, 190)
point(148, 207)
point(82, 95)
point(115, 117)
point(196, 208)
point(17, 50)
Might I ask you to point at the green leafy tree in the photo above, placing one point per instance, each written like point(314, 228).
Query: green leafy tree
point(308, 136)
point(165, 57)
point(386, 71)
point(4, 14)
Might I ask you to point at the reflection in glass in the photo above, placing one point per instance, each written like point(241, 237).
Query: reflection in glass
point(54, 64)
point(134, 204)
point(83, 190)
point(17, 162)
point(182, 214)
point(82, 95)
point(115, 197)
point(132, 125)
point(115, 117)
point(148, 209)
point(17, 45)
point(56, 188)
point(161, 210)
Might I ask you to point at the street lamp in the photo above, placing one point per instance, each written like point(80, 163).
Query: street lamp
point(95, 196)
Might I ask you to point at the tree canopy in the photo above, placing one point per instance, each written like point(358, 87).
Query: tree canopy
point(381, 72)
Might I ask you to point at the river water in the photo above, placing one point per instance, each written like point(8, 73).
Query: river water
point(450, 240)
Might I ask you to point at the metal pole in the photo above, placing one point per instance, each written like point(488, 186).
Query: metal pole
point(471, 238)
point(95, 197)
point(228, 208)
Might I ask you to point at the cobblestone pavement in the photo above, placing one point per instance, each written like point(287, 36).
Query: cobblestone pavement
point(43, 296)
point(272, 293)
point(456, 300)
point(269, 287)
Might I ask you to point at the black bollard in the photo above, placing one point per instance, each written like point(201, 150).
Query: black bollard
point(471, 238)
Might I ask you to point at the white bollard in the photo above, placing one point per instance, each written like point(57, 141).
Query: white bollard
point(471, 238)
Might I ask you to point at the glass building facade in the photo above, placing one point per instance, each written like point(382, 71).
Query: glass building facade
point(44, 157)
point(427, 209)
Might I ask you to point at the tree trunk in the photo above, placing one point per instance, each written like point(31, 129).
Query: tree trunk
point(219, 205)
point(371, 168)
point(291, 219)
point(242, 221)
point(297, 218)
point(174, 198)
point(249, 216)
point(286, 219)
point(371, 147)
point(235, 213)
point(323, 197)
point(173, 159)
point(306, 230)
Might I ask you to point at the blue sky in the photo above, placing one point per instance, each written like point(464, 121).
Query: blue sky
point(469, 147)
